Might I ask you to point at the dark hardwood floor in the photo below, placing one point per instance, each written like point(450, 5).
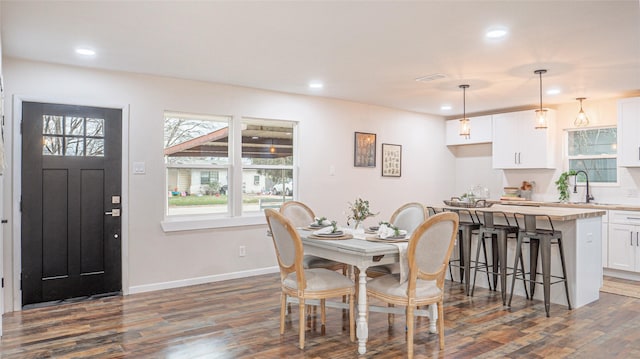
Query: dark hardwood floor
point(239, 319)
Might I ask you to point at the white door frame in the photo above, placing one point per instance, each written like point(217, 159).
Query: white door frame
point(16, 189)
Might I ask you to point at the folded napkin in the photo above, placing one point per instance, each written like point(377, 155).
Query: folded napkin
point(325, 230)
point(324, 222)
point(385, 231)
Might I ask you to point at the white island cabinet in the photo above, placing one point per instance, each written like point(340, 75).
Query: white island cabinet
point(624, 240)
point(629, 132)
point(517, 144)
point(481, 131)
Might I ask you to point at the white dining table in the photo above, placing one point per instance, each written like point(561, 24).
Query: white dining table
point(362, 254)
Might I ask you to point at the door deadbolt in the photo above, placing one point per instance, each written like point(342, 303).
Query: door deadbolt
point(114, 213)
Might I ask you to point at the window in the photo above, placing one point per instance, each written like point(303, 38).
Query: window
point(200, 170)
point(196, 150)
point(594, 151)
point(72, 136)
point(267, 155)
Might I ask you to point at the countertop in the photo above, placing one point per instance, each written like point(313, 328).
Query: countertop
point(555, 213)
point(592, 205)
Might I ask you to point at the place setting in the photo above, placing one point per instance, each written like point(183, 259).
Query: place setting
point(330, 231)
point(386, 232)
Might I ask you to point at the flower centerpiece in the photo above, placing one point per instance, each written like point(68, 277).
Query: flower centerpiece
point(386, 225)
point(359, 211)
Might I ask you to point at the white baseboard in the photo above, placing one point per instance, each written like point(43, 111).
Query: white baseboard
point(201, 280)
point(622, 274)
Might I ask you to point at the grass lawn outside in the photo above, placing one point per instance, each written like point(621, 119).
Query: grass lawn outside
point(220, 199)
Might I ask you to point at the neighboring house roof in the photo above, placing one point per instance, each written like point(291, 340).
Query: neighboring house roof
point(215, 144)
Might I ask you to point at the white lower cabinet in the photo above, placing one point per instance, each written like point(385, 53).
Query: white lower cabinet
point(624, 240)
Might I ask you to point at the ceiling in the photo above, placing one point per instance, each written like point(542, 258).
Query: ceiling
point(368, 52)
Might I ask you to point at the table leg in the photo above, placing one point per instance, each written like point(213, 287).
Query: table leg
point(362, 330)
point(466, 253)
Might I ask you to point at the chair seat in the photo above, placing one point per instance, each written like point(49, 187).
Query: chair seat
point(310, 261)
point(319, 279)
point(390, 285)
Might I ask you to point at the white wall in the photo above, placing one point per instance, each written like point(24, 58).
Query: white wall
point(473, 163)
point(326, 130)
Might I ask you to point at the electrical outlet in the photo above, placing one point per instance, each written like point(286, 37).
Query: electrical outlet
point(242, 251)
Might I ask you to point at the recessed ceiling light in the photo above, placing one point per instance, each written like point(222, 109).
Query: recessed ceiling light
point(496, 32)
point(316, 85)
point(446, 107)
point(553, 91)
point(254, 137)
point(85, 52)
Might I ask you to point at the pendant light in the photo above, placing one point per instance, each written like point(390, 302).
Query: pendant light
point(541, 114)
point(465, 128)
point(582, 119)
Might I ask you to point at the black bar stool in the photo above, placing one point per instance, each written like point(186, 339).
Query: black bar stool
point(466, 229)
point(540, 240)
point(499, 234)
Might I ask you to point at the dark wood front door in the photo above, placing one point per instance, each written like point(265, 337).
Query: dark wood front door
point(71, 182)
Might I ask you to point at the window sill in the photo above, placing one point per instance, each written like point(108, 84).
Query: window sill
point(191, 223)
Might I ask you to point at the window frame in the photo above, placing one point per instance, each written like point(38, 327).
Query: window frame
point(234, 217)
point(568, 157)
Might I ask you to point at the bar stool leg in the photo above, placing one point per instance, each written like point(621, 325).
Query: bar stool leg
point(524, 279)
point(486, 262)
point(486, 266)
point(564, 272)
point(534, 244)
point(546, 272)
point(515, 265)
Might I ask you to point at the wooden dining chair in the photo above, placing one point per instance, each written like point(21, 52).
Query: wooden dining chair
point(428, 255)
point(304, 283)
point(301, 216)
point(408, 217)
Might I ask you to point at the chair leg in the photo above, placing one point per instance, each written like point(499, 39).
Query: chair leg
point(390, 315)
point(534, 248)
point(352, 326)
point(323, 311)
point(410, 331)
point(283, 304)
point(302, 323)
point(515, 266)
point(475, 273)
point(486, 262)
point(524, 280)
point(564, 272)
point(441, 324)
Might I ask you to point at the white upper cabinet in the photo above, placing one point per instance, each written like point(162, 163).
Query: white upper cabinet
point(481, 131)
point(629, 132)
point(518, 145)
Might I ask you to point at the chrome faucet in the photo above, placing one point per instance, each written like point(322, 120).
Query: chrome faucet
point(589, 197)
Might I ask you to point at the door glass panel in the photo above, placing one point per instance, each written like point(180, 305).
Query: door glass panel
point(95, 127)
point(95, 147)
point(74, 126)
point(52, 146)
point(74, 146)
point(52, 125)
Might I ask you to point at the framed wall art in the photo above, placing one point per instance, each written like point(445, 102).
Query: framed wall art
point(364, 150)
point(391, 160)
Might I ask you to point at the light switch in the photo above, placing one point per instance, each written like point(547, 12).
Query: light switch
point(138, 168)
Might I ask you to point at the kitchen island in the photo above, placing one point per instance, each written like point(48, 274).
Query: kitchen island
point(582, 232)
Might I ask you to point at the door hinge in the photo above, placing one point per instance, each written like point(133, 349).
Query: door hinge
point(2, 283)
point(20, 280)
point(20, 203)
point(20, 126)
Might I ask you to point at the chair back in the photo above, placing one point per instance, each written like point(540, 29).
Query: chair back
point(409, 216)
point(430, 247)
point(298, 213)
point(288, 245)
